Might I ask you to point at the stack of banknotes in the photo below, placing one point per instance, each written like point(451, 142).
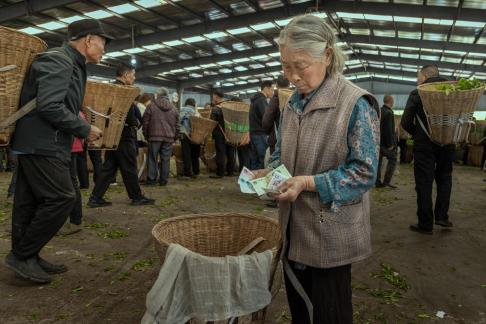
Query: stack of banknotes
point(265, 185)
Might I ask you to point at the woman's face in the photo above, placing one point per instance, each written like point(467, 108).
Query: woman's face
point(303, 70)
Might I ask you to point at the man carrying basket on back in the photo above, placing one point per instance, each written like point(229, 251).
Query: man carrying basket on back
point(44, 194)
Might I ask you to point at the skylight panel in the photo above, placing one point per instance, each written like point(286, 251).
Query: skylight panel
point(214, 35)
point(241, 60)
point(283, 22)
point(359, 31)
point(435, 36)
point(224, 63)
point(408, 19)
point(473, 62)
point(274, 63)
point(413, 35)
point(446, 22)
point(173, 43)
point(256, 66)
point(31, 30)
point(378, 17)
point(253, 80)
point(384, 33)
point(238, 31)
point(241, 68)
point(116, 54)
point(241, 82)
point(275, 54)
point(267, 25)
point(474, 24)
point(210, 65)
point(149, 3)
point(225, 70)
point(350, 15)
point(177, 71)
point(194, 39)
point(52, 25)
point(98, 14)
point(153, 47)
point(192, 68)
point(455, 52)
point(71, 19)
point(429, 57)
point(259, 57)
point(123, 9)
point(451, 59)
point(462, 39)
point(369, 52)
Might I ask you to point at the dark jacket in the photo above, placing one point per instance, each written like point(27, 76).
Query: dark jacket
point(132, 123)
point(414, 110)
point(58, 79)
point(217, 115)
point(257, 109)
point(161, 121)
point(271, 118)
point(388, 137)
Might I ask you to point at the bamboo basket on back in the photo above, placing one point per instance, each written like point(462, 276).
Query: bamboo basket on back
point(449, 116)
point(17, 51)
point(201, 128)
point(478, 132)
point(236, 121)
point(106, 106)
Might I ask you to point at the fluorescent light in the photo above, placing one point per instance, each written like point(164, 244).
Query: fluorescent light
point(283, 22)
point(263, 26)
point(259, 57)
point(31, 30)
point(210, 65)
point(476, 24)
point(447, 22)
point(150, 3)
point(275, 54)
point(350, 15)
point(241, 60)
point(98, 14)
point(124, 8)
point(194, 39)
point(256, 66)
point(237, 31)
point(274, 63)
point(228, 84)
point(192, 68)
point(240, 68)
point(53, 25)
point(116, 54)
point(224, 63)
point(378, 17)
point(408, 19)
point(153, 47)
point(217, 34)
point(134, 50)
point(173, 43)
point(225, 70)
point(71, 19)
point(177, 71)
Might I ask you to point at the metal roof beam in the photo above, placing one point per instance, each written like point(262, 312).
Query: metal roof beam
point(24, 8)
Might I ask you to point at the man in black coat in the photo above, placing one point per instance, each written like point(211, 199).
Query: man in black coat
point(431, 161)
point(388, 143)
point(124, 157)
point(44, 194)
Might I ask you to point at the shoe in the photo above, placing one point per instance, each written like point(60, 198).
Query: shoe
point(51, 268)
point(28, 269)
point(114, 184)
point(418, 229)
point(195, 176)
point(272, 204)
point(216, 176)
point(389, 185)
point(150, 183)
point(379, 185)
point(69, 229)
point(142, 201)
point(95, 202)
point(162, 184)
point(230, 174)
point(443, 223)
point(84, 187)
point(185, 178)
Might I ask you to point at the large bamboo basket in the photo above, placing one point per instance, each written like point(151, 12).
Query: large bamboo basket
point(208, 155)
point(106, 107)
point(236, 121)
point(219, 235)
point(283, 97)
point(401, 133)
point(17, 51)
point(449, 117)
point(478, 132)
point(475, 155)
point(177, 151)
point(201, 128)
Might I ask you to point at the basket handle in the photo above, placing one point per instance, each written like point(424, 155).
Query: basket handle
point(98, 113)
point(7, 68)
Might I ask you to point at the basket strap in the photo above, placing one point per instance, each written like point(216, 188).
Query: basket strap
point(426, 131)
point(7, 68)
point(27, 108)
point(97, 113)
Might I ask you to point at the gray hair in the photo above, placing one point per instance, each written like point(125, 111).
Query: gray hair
point(314, 36)
point(162, 92)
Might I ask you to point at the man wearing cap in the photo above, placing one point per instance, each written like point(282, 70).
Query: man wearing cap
point(44, 194)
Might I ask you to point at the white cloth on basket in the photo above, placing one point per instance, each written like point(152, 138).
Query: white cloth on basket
point(191, 285)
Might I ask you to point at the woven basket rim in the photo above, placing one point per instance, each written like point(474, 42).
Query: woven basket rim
point(203, 119)
point(104, 84)
point(235, 105)
point(207, 215)
point(424, 87)
point(24, 34)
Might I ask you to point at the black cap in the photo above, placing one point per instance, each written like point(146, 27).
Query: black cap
point(83, 27)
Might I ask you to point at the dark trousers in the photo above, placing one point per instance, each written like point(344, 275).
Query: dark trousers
point(224, 154)
point(329, 291)
point(244, 156)
point(44, 197)
point(76, 215)
point(259, 147)
point(434, 163)
point(190, 156)
point(81, 168)
point(391, 156)
point(164, 150)
point(402, 144)
point(125, 158)
point(95, 157)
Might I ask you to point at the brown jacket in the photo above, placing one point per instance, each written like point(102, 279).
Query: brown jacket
point(271, 118)
point(160, 121)
point(313, 143)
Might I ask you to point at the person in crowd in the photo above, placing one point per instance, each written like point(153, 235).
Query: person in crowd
point(402, 143)
point(175, 100)
point(142, 103)
point(161, 129)
point(124, 157)
point(329, 141)
point(190, 151)
point(225, 153)
point(388, 143)
point(271, 117)
point(44, 193)
point(258, 137)
point(431, 161)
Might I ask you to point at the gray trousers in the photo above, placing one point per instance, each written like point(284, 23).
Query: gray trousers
point(391, 156)
point(164, 150)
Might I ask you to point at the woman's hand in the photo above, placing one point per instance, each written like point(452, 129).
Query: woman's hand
point(292, 188)
point(261, 172)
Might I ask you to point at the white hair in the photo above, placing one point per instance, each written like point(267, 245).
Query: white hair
point(162, 92)
point(314, 36)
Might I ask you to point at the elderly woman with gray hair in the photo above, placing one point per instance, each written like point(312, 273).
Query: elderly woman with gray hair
point(329, 141)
